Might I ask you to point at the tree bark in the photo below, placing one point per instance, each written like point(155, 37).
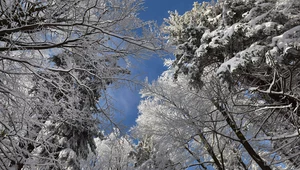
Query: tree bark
point(210, 150)
point(262, 164)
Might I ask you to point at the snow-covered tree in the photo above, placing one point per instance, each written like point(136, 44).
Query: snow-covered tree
point(57, 59)
point(185, 127)
point(253, 48)
point(112, 152)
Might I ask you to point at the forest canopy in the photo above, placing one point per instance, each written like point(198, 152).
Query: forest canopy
point(228, 100)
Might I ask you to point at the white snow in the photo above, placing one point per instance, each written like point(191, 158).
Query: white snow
point(290, 37)
point(252, 54)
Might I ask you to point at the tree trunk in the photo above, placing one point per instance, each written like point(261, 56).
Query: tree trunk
point(242, 138)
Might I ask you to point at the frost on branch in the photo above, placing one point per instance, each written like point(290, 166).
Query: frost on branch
point(112, 152)
point(184, 126)
point(57, 59)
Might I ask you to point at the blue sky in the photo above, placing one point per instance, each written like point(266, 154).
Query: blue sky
point(127, 99)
